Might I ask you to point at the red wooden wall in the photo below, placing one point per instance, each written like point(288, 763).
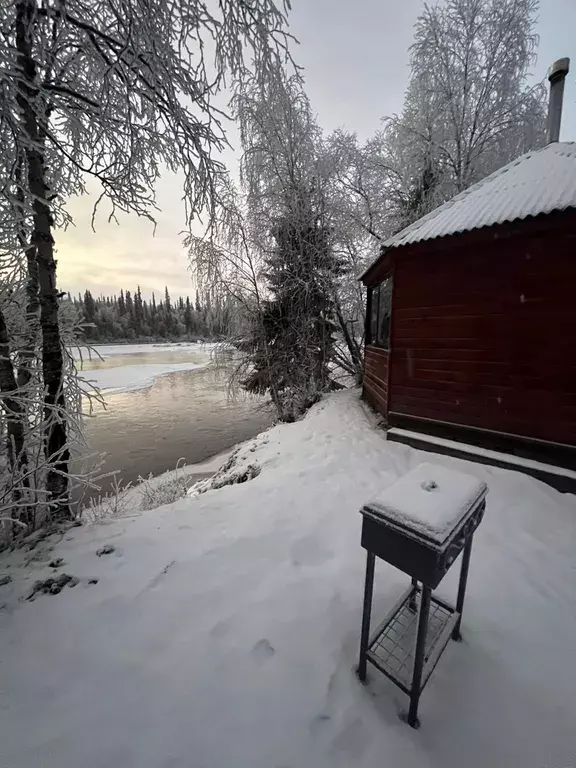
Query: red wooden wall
point(376, 378)
point(484, 334)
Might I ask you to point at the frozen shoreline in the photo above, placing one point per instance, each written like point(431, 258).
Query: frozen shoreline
point(108, 350)
point(140, 375)
point(128, 378)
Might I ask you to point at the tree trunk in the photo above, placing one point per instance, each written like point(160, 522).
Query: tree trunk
point(33, 116)
point(351, 343)
point(15, 428)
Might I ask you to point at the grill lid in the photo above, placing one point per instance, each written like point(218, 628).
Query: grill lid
point(430, 500)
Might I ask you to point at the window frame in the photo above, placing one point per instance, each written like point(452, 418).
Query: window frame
point(374, 303)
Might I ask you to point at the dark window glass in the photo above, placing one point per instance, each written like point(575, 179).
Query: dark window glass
point(380, 313)
point(374, 314)
point(384, 313)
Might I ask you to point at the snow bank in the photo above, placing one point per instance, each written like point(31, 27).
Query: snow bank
point(151, 492)
point(223, 630)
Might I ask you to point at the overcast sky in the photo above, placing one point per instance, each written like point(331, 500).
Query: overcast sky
point(355, 59)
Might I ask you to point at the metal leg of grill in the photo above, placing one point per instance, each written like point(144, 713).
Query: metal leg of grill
point(419, 657)
point(366, 612)
point(456, 634)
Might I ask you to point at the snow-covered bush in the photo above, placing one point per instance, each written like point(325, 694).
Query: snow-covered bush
point(115, 503)
point(166, 490)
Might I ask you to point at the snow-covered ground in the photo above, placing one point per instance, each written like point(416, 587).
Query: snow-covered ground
point(223, 630)
point(126, 377)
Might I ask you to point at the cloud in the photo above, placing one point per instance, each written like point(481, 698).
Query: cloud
point(127, 253)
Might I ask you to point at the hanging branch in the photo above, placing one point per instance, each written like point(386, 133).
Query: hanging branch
point(16, 425)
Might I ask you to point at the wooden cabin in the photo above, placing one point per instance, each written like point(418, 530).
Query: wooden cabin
point(471, 320)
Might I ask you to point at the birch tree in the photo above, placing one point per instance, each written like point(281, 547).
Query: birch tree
point(112, 91)
point(357, 195)
point(469, 108)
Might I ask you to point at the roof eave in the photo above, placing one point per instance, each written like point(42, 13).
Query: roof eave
point(384, 250)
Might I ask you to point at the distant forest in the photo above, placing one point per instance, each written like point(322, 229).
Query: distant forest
point(129, 316)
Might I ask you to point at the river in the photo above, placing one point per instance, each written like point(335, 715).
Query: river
point(160, 409)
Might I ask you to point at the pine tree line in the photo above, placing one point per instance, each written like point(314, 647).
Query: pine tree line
point(130, 317)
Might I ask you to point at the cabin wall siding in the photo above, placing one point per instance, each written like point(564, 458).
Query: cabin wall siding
point(485, 335)
point(376, 378)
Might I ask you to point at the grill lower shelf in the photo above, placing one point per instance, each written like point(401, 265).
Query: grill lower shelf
point(391, 648)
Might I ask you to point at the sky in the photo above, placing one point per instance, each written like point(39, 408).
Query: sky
point(355, 60)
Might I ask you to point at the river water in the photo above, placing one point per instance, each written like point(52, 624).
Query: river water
point(185, 414)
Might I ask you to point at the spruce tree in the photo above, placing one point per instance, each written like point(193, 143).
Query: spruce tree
point(291, 343)
point(188, 320)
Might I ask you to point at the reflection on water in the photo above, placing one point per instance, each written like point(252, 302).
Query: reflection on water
point(184, 355)
point(182, 415)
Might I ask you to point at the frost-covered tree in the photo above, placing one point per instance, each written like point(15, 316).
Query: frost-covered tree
point(284, 181)
point(275, 248)
point(291, 341)
point(468, 108)
point(112, 91)
point(358, 197)
point(360, 180)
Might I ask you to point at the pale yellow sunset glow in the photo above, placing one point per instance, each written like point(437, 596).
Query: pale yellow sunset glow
point(127, 253)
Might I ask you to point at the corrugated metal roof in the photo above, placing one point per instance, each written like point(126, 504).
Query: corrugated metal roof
point(537, 182)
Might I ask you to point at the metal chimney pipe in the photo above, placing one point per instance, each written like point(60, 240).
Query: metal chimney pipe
point(557, 76)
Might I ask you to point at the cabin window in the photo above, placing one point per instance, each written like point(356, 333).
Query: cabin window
point(380, 313)
point(374, 314)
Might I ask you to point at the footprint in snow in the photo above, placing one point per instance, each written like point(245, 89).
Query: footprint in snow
point(351, 742)
point(107, 549)
point(220, 629)
point(160, 576)
point(262, 650)
point(318, 723)
point(309, 551)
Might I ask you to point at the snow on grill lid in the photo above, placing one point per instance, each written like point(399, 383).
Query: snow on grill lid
point(537, 182)
point(430, 499)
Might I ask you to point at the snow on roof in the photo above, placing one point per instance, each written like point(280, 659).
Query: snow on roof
point(537, 182)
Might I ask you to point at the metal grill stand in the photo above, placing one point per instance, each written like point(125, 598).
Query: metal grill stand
point(408, 643)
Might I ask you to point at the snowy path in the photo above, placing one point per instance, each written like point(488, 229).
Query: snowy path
point(223, 631)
